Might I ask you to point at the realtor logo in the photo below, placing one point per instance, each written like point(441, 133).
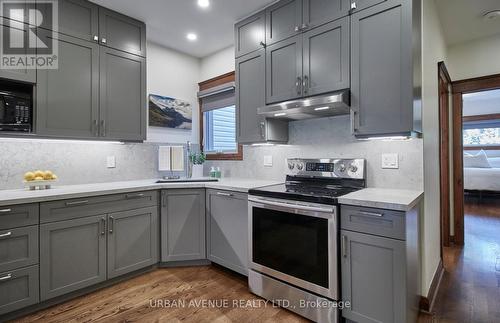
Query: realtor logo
point(29, 34)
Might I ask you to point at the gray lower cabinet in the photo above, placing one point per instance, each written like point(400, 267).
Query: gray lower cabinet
point(72, 255)
point(382, 70)
point(183, 225)
point(68, 97)
point(19, 31)
point(19, 288)
point(132, 240)
point(250, 34)
point(373, 278)
point(18, 247)
point(122, 98)
point(227, 229)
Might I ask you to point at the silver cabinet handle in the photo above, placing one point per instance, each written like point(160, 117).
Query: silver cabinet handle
point(103, 128)
point(164, 199)
point(297, 28)
point(344, 246)
point(5, 235)
point(379, 215)
point(96, 38)
point(353, 122)
point(103, 226)
point(96, 128)
point(262, 126)
point(7, 277)
point(111, 224)
point(262, 44)
point(77, 203)
point(5, 210)
point(103, 40)
point(298, 84)
point(134, 196)
point(353, 5)
point(305, 84)
point(224, 194)
point(304, 26)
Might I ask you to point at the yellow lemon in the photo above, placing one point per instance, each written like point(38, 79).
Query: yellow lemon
point(47, 175)
point(29, 176)
point(39, 178)
point(39, 173)
point(54, 176)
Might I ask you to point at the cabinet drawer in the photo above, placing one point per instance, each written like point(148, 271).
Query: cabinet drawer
point(19, 289)
point(18, 215)
point(18, 248)
point(379, 222)
point(82, 207)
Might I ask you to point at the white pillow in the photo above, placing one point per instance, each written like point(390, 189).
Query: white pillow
point(480, 160)
point(494, 162)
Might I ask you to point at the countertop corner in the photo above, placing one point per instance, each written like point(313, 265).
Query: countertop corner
point(384, 198)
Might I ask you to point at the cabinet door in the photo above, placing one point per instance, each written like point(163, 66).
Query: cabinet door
point(77, 18)
point(326, 58)
point(283, 20)
point(121, 32)
point(227, 229)
point(132, 240)
point(284, 70)
point(122, 95)
point(67, 97)
point(72, 255)
point(183, 225)
point(382, 69)
point(20, 31)
point(373, 278)
point(19, 288)
point(250, 34)
point(318, 12)
point(364, 4)
point(250, 95)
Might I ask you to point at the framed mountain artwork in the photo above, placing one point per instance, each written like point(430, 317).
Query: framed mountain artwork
point(167, 112)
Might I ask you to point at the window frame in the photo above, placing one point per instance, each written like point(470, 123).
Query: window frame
point(205, 85)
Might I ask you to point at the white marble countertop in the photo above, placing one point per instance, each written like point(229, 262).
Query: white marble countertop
point(22, 196)
point(383, 198)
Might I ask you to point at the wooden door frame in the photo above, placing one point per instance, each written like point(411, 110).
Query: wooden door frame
point(459, 88)
point(444, 86)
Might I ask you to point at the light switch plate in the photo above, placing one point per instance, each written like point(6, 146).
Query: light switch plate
point(390, 161)
point(268, 161)
point(111, 162)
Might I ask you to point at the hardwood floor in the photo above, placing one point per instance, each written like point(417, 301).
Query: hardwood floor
point(470, 289)
point(145, 299)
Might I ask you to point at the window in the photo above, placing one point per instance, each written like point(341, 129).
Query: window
point(218, 112)
point(482, 137)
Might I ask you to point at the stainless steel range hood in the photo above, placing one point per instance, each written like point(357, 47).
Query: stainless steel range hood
point(328, 105)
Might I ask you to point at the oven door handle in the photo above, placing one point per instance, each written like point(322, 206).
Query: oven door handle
point(293, 206)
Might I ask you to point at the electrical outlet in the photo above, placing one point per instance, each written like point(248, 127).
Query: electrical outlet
point(390, 161)
point(111, 162)
point(268, 161)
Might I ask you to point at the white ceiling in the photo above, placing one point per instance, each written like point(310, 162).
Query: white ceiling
point(168, 21)
point(462, 20)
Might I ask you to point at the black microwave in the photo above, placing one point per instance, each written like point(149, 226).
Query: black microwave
point(16, 111)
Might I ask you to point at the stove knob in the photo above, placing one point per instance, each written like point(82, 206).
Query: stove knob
point(353, 168)
point(300, 166)
point(291, 166)
point(342, 168)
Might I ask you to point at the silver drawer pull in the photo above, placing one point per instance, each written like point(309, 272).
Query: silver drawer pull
point(344, 246)
point(5, 210)
point(77, 203)
point(224, 194)
point(379, 215)
point(134, 196)
point(5, 235)
point(7, 277)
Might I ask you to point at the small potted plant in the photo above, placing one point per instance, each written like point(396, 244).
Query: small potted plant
point(197, 160)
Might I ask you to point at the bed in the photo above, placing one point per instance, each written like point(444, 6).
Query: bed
point(483, 178)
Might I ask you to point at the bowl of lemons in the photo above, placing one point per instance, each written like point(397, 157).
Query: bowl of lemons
point(39, 179)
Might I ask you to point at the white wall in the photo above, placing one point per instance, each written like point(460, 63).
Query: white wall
point(433, 51)
point(174, 74)
point(474, 58)
point(217, 64)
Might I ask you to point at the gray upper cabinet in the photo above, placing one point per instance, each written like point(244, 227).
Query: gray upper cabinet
point(132, 240)
point(382, 70)
point(318, 12)
point(373, 278)
point(326, 58)
point(183, 225)
point(67, 97)
point(122, 95)
point(358, 5)
point(72, 255)
point(250, 34)
point(284, 70)
point(23, 75)
point(283, 20)
point(121, 32)
point(227, 229)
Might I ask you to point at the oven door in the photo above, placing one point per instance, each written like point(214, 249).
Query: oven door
point(295, 242)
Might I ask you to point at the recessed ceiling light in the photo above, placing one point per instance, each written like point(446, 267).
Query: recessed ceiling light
point(203, 3)
point(492, 15)
point(192, 36)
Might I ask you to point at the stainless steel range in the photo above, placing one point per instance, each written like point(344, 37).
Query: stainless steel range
point(294, 234)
